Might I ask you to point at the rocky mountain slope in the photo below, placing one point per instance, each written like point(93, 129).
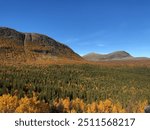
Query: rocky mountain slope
point(18, 46)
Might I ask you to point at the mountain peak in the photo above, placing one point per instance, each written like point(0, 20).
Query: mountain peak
point(117, 55)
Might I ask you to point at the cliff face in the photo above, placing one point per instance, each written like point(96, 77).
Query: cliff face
point(20, 46)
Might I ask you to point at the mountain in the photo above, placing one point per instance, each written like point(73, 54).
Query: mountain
point(18, 46)
point(118, 55)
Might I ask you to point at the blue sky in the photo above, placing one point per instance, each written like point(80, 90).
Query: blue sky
point(101, 26)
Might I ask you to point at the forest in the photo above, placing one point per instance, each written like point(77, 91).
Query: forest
point(74, 88)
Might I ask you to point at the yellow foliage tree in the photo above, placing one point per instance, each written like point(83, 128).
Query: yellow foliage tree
point(31, 105)
point(77, 105)
point(9, 104)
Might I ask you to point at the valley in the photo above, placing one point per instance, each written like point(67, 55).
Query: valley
point(39, 74)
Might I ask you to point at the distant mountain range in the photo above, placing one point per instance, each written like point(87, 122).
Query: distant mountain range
point(118, 55)
point(18, 46)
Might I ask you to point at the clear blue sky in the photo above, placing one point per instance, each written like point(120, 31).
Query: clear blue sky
point(100, 26)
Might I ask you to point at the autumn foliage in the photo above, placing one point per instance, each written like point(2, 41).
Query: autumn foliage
point(10, 104)
point(77, 105)
point(74, 88)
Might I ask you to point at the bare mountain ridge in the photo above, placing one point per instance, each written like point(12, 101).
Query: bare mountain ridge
point(118, 55)
point(16, 45)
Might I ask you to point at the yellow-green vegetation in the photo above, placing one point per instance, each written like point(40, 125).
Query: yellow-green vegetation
point(84, 88)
